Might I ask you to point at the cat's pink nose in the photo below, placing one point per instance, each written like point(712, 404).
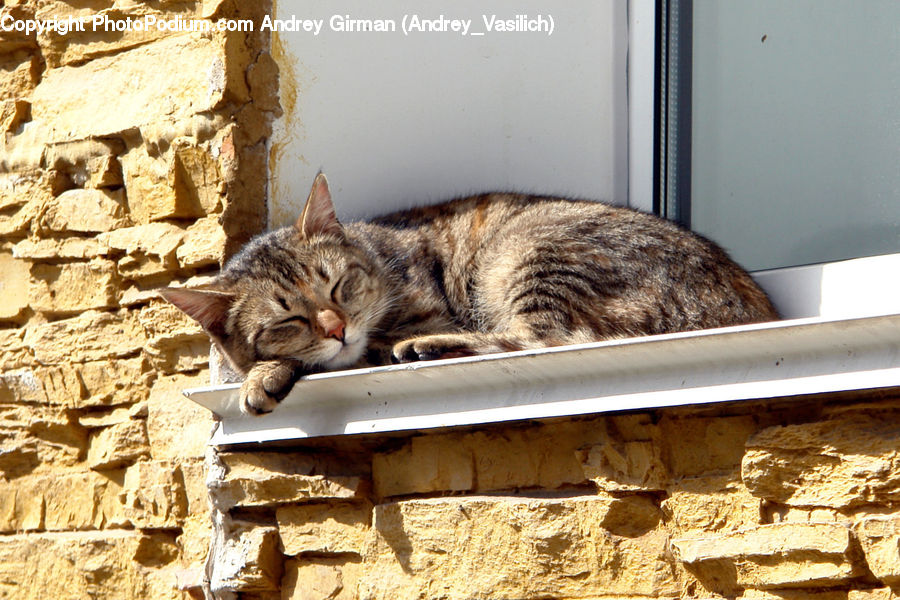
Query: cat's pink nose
point(331, 324)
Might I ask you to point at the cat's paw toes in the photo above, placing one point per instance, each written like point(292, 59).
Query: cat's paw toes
point(428, 348)
point(266, 385)
point(404, 353)
point(255, 400)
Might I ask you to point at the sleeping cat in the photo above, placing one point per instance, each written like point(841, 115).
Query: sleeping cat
point(490, 273)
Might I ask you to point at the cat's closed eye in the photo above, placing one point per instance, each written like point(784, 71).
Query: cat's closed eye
point(335, 297)
point(288, 327)
point(294, 320)
point(346, 288)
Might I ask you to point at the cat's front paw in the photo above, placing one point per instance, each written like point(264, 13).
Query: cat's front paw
point(266, 385)
point(254, 398)
point(432, 347)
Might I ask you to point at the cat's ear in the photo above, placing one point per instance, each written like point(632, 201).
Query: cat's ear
point(318, 216)
point(207, 307)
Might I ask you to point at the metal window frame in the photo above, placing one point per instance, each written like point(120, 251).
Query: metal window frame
point(673, 118)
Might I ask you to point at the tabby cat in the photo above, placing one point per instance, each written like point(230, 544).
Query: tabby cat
point(490, 273)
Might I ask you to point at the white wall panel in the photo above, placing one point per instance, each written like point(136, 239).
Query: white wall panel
point(398, 120)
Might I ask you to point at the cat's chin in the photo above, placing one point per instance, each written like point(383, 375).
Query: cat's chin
point(348, 354)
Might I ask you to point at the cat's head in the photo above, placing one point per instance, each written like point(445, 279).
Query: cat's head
point(305, 292)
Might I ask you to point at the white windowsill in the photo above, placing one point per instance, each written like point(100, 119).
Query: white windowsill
point(778, 359)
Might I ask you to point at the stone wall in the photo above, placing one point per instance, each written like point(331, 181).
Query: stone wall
point(778, 500)
point(128, 161)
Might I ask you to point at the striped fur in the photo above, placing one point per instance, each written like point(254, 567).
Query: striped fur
point(490, 273)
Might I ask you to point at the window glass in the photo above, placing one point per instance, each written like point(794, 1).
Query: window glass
point(795, 129)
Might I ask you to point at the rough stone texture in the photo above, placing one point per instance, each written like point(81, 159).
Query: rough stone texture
point(197, 176)
point(18, 510)
point(153, 195)
point(335, 579)
point(123, 381)
point(78, 500)
point(14, 281)
point(130, 161)
point(32, 438)
point(625, 467)
point(160, 320)
point(17, 189)
point(186, 183)
point(204, 243)
point(622, 454)
point(175, 341)
point(797, 595)
point(718, 503)
point(269, 479)
point(250, 560)
point(426, 464)
point(771, 556)
point(73, 287)
point(12, 114)
point(95, 384)
point(483, 461)
point(844, 462)
point(154, 495)
point(77, 46)
point(195, 537)
point(876, 594)
point(528, 458)
point(781, 513)
point(67, 248)
point(83, 162)
point(17, 223)
point(639, 513)
point(91, 336)
point(323, 528)
point(104, 172)
point(113, 565)
point(21, 385)
point(18, 74)
point(66, 500)
point(501, 547)
point(118, 445)
point(149, 250)
point(113, 416)
point(60, 105)
point(879, 537)
point(177, 428)
point(87, 211)
point(148, 495)
point(825, 538)
point(705, 446)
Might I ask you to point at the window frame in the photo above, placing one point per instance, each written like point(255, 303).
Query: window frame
point(674, 191)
